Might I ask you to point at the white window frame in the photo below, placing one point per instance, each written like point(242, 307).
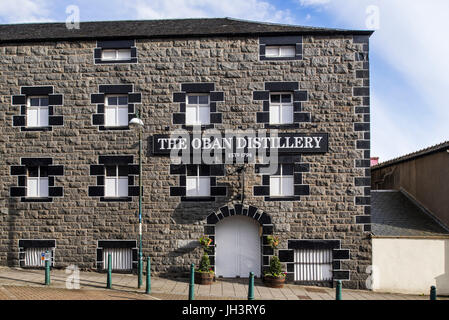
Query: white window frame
point(281, 51)
point(281, 177)
point(281, 108)
point(116, 109)
point(116, 179)
point(40, 192)
point(198, 179)
point(116, 51)
point(40, 122)
point(197, 107)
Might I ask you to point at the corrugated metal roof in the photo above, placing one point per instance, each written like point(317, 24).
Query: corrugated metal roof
point(413, 155)
point(157, 29)
point(394, 215)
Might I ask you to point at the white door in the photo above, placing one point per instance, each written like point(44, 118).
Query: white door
point(238, 247)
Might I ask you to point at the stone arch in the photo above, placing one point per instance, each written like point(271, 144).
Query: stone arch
point(260, 216)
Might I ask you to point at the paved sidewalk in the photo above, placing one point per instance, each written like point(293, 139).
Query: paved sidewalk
point(16, 283)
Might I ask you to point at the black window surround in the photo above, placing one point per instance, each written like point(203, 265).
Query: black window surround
point(21, 173)
point(299, 189)
point(98, 170)
point(98, 119)
point(179, 118)
point(22, 101)
point(35, 243)
point(295, 41)
point(213, 171)
point(299, 97)
point(115, 44)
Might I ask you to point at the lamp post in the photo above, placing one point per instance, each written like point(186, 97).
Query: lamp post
point(138, 123)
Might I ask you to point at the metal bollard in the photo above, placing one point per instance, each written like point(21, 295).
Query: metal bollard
point(338, 291)
point(47, 272)
point(433, 293)
point(148, 287)
point(192, 281)
point(251, 286)
point(109, 278)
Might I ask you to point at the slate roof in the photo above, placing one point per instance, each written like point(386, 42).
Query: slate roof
point(420, 153)
point(158, 29)
point(394, 215)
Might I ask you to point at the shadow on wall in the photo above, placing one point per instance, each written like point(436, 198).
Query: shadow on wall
point(442, 281)
point(12, 256)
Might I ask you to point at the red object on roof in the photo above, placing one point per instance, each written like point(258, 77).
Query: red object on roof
point(374, 161)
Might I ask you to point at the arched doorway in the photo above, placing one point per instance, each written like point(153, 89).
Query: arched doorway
point(238, 247)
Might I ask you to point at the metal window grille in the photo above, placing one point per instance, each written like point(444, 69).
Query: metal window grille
point(313, 265)
point(121, 258)
point(33, 256)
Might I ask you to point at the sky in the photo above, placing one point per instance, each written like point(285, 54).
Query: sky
point(408, 51)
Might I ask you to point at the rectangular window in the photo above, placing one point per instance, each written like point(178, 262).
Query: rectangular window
point(280, 51)
point(281, 108)
point(281, 184)
point(197, 181)
point(37, 182)
point(37, 112)
point(115, 54)
point(313, 264)
point(121, 258)
point(197, 110)
point(116, 181)
point(33, 256)
point(116, 111)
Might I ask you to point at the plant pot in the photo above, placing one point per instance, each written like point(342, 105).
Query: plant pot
point(204, 277)
point(274, 282)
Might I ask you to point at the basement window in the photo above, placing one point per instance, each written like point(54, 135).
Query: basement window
point(280, 51)
point(115, 54)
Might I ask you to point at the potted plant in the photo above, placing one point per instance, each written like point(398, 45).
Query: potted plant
point(275, 277)
point(204, 273)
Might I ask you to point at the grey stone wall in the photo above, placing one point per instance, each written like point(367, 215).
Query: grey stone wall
point(327, 71)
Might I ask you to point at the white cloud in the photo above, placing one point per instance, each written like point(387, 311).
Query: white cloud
point(307, 3)
point(249, 9)
point(20, 11)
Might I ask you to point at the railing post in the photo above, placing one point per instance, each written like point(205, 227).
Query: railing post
point(433, 293)
point(192, 281)
point(148, 288)
point(338, 291)
point(251, 286)
point(109, 279)
point(47, 272)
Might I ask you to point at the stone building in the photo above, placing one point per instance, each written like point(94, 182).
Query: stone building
point(69, 173)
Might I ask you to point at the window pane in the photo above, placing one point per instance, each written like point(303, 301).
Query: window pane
point(286, 98)
point(124, 54)
point(122, 116)
point(204, 116)
point(111, 171)
point(112, 101)
point(191, 186)
point(123, 101)
point(275, 186)
point(123, 187)
point(274, 114)
point(275, 98)
point(32, 187)
point(108, 54)
point(43, 187)
point(44, 102)
point(204, 187)
point(271, 51)
point(33, 171)
point(32, 116)
point(203, 99)
point(110, 189)
point(287, 186)
point(288, 51)
point(34, 102)
point(123, 171)
point(287, 114)
point(43, 171)
point(110, 116)
point(192, 99)
point(43, 117)
point(191, 115)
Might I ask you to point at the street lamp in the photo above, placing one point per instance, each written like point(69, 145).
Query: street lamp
point(138, 123)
